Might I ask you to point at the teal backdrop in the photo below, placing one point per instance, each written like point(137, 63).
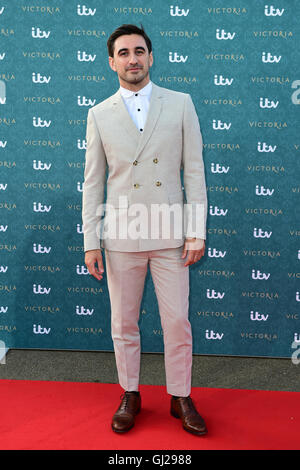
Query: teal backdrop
point(239, 61)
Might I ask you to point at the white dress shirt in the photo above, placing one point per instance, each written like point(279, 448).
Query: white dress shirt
point(137, 104)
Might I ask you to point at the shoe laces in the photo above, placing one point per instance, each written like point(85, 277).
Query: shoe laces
point(190, 405)
point(125, 398)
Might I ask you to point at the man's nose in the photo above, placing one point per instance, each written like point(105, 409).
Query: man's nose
point(133, 59)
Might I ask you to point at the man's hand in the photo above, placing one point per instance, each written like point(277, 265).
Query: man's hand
point(91, 258)
point(195, 247)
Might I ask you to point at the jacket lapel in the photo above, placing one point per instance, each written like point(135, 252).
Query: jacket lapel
point(154, 111)
point(122, 115)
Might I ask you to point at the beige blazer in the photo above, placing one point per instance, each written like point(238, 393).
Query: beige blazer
point(143, 168)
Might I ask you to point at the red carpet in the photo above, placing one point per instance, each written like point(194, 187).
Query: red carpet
point(71, 415)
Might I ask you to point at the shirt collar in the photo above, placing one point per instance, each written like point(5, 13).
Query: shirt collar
point(146, 91)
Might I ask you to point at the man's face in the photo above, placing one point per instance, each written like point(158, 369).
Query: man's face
point(131, 60)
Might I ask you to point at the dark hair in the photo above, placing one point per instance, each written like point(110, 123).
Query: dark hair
point(127, 29)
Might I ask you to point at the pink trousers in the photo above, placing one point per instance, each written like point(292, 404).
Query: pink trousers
point(126, 272)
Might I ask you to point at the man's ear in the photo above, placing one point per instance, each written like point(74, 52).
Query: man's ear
point(112, 63)
point(151, 59)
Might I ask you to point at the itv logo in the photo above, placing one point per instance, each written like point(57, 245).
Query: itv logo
point(176, 11)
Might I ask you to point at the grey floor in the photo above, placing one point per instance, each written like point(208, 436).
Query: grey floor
point(208, 371)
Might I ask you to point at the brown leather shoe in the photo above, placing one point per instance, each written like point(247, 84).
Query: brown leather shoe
point(130, 406)
point(183, 408)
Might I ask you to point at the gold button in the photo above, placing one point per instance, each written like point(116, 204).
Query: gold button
point(155, 160)
point(135, 162)
point(158, 183)
point(136, 185)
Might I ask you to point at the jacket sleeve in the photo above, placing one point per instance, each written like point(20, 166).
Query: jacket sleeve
point(93, 186)
point(195, 210)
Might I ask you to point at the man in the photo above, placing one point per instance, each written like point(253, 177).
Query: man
point(144, 135)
